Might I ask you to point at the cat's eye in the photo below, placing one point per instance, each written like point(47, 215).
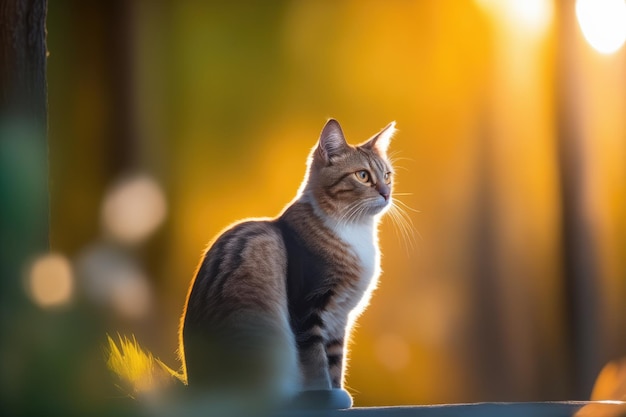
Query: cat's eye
point(387, 177)
point(362, 176)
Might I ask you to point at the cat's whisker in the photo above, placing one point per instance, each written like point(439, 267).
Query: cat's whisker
point(405, 205)
point(404, 234)
point(403, 214)
point(349, 213)
point(393, 160)
point(393, 157)
point(361, 209)
point(403, 225)
point(355, 211)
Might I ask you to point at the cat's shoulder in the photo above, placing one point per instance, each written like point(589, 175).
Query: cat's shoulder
point(244, 233)
point(252, 225)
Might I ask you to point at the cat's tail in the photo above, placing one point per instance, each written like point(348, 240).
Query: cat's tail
point(139, 372)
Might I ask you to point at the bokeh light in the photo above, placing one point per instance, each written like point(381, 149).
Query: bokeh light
point(133, 209)
point(603, 22)
point(114, 279)
point(130, 295)
point(51, 281)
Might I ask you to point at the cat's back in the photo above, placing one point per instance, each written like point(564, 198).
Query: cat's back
point(235, 330)
point(244, 267)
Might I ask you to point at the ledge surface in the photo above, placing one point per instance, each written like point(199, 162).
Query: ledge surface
point(538, 409)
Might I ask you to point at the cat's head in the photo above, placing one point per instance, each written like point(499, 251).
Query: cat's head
point(350, 183)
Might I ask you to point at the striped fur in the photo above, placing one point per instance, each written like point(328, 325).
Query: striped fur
point(272, 303)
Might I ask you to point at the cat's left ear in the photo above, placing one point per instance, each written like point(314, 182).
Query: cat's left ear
point(332, 141)
point(380, 141)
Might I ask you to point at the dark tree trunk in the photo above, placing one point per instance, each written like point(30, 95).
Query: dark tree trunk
point(580, 259)
point(23, 172)
point(23, 59)
point(23, 149)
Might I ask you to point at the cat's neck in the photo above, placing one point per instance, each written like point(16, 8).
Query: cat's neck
point(350, 231)
point(361, 237)
point(335, 222)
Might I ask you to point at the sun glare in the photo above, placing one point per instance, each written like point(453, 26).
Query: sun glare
point(531, 13)
point(603, 23)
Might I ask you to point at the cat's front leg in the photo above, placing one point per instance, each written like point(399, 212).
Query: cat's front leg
point(335, 357)
point(313, 362)
point(337, 332)
point(321, 391)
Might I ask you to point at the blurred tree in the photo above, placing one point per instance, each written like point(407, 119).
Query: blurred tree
point(23, 65)
point(586, 331)
point(23, 164)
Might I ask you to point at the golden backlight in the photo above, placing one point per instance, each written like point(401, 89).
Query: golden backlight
point(507, 282)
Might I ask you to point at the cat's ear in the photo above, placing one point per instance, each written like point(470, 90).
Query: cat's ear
point(380, 141)
point(332, 142)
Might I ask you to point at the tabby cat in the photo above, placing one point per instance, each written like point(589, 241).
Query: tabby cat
point(273, 301)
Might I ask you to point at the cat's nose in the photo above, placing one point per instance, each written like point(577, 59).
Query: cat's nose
point(383, 190)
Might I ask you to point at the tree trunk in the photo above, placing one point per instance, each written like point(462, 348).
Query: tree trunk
point(580, 258)
point(23, 63)
point(23, 170)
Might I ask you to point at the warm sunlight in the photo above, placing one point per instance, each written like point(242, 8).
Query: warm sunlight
point(603, 22)
point(51, 281)
point(169, 121)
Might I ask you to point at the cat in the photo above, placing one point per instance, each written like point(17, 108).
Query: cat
point(273, 301)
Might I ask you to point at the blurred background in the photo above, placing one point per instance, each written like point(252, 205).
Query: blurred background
point(169, 120)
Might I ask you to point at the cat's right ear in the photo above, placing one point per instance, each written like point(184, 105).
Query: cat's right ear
point(332, 142)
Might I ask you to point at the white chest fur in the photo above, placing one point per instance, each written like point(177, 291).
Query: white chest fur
point(361, 239)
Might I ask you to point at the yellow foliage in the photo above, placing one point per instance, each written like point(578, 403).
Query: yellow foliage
point(138, 370)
